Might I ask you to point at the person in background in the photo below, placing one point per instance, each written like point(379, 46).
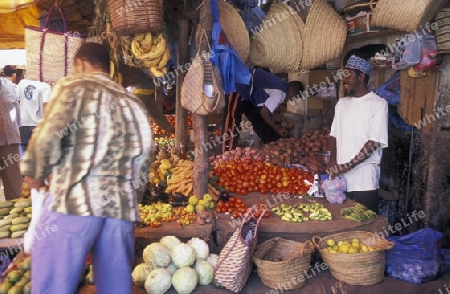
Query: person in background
point(95, 141)
point(33, 96)
point(263, 101)
point(10, 73)
point(358, 134)
point(9, 140)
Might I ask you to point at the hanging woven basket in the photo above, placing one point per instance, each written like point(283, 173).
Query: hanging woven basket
point(405, 15)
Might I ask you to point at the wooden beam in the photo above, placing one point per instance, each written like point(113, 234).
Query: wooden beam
point(182, 59)
point(200, 176)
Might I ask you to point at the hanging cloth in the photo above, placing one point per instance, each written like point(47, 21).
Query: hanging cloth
point(232, 69)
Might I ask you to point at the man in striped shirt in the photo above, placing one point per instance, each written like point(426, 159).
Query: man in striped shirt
point(95, 141)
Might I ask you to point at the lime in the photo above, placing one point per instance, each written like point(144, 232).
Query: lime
point(331, 242)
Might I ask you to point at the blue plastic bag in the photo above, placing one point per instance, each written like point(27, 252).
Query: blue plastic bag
point(416, 257)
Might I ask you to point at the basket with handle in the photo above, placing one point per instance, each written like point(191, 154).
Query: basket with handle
point(133, 17)
point(366, 268)
point(235, 259)
point(50, 54)
point(282, 263)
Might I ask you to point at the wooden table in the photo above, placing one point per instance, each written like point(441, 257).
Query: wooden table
point(270, 227)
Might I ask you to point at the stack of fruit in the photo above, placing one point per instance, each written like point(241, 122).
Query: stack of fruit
point(153, 51)
point(17, 280)
point(352, 247)
point(303, 212)
point(359, 213)
point(15, 217)
point(154, 214)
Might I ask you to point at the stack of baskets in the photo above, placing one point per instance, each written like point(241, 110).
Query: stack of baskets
point(443, 32)
point(282, 263)
point(365, 268)
point(324, 35)
point(405, 15)
point(235, 29)
point(277, 43)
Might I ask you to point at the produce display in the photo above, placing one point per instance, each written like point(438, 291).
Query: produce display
point(302, 212)
point(359, 213)
point(181, 178)
point(16, 280)
point(258, 176)
point(283, 152)
point(15, 216)
point(202, 207)
point(171, 262)
point(156, 130)
point(236, 207)
point(355, 246)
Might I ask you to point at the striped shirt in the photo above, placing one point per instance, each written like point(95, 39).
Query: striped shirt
point(95, 140)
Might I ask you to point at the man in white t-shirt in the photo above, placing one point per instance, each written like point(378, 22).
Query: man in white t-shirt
point(358, 134)
point(33, 95)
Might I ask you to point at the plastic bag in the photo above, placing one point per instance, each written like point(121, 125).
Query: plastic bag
point(416, 257)
point(37, 202)
point(334, 190)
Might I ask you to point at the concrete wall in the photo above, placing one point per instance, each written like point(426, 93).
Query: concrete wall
point(429, 186)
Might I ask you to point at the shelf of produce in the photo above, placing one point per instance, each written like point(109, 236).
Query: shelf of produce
point(174, 229)
point(10, 243)
point(275, 227)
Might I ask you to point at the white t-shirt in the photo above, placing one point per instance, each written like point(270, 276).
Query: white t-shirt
point(32, 96)
point(275, 98)
point(356, 121)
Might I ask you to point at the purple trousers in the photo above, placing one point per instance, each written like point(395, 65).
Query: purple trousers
point(61, 244)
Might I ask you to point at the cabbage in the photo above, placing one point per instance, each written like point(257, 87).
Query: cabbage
point(157, 255)
point(140, 273)
point(158, 282)
point(184, 280)
point(205, 272)
point(169, 241)
point(171, 268)
point(213, 258)
point(183, 255)
point(201, 248)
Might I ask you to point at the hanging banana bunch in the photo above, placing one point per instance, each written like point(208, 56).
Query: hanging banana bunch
point(153, 51)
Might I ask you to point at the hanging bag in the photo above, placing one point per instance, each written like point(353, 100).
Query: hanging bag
point(49, 53)
point(235, 260)
point(37, 202)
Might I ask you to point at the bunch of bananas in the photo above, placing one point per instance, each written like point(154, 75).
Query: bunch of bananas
point(359, 213)
point(152, 50)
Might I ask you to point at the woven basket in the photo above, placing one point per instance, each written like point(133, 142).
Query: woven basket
point(235, 260)
point(235, 29)
point(278, 44)
point(192, 97)
point(360, 268)
point(50, 54)
point(133, 17)
point(405, 15)
point(443, 32)
point(281, 263)
point(324, 37)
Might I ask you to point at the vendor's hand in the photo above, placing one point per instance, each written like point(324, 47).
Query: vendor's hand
point(282, 132)
point(34, 183)
point(337, 169)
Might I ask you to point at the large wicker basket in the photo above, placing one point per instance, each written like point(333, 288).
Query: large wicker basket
point(405, 15)
point(133, 17)
point(360, 268)
point(281, 263)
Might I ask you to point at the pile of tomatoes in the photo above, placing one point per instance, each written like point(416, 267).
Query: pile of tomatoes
point(237, 208)
point(171, 118)
point(242, 176)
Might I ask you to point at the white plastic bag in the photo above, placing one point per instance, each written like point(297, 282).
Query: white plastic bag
point(334, 190)
point(37, 204)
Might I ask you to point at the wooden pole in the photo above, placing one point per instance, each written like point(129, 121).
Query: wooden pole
point(182, 59)
point(200, 176)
